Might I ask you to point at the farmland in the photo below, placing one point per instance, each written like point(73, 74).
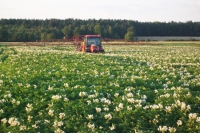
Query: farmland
point(127, 89)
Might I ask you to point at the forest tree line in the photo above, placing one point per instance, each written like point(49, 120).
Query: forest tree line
point(24, 30)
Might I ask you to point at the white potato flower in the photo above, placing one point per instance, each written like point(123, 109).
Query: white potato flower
point(89, 117)
point(162, 128)
point(121, 105)
point(22, 127)
point(129, 108)
point(117, 109)
point(179, 122)
point(13, 121)
point(66, 99)
point(96, 100)
point(183, 106)
point(91, 96)
point(57, 123)
point(51, 112)
point(61, 115)
point(106, 109)
point(129, 95)
point(56, 97)
point(112, 127)
point(4, 120)
point(188, 107)
point(58, 130)
point(1, 111)
point(192, 116)
point(172, 129)
point(108, 116)
point(168, 109)
point(35, 126)
point(66, 85)
point(60, 123)
point(107, 101)
point(82, 94)
point(40, 113)
point(144, 97)
point(198, 119)
point(98, 110)
point(91, 126)
point(116, 94)
point(50, 88)
point(18, 102)
point(28, 85)
point(29, 118)
point(34, 86)
point(131, 100)
point(89, 102)
point(46, 121)
point(13, 101)
point(155, 121)
point(29, 107)
point(138, 105)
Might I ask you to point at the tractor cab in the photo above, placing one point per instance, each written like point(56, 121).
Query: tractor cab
point(89, 43)
point(94, 40)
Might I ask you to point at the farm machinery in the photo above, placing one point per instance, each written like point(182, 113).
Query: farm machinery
point(88, 43)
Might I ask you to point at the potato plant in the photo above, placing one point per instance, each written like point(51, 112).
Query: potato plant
point(127, 89)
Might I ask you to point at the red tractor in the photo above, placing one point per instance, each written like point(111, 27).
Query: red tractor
point(88, 43)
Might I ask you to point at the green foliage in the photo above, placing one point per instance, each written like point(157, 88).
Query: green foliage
point(129, 36)
point(66, 31)
point(4, 57)
point(3, 34)
point(130, 29)
point(31, 30)
point(127, 89)
point(1, 51)
point(50, 36)
point(76, 31)
point(97, 29)
point(14, 51)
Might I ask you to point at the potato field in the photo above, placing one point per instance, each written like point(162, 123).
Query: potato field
point(128, 89)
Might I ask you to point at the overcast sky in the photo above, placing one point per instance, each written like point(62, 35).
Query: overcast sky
point(140, 10)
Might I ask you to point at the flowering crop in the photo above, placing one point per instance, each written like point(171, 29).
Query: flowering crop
point(127, 89)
